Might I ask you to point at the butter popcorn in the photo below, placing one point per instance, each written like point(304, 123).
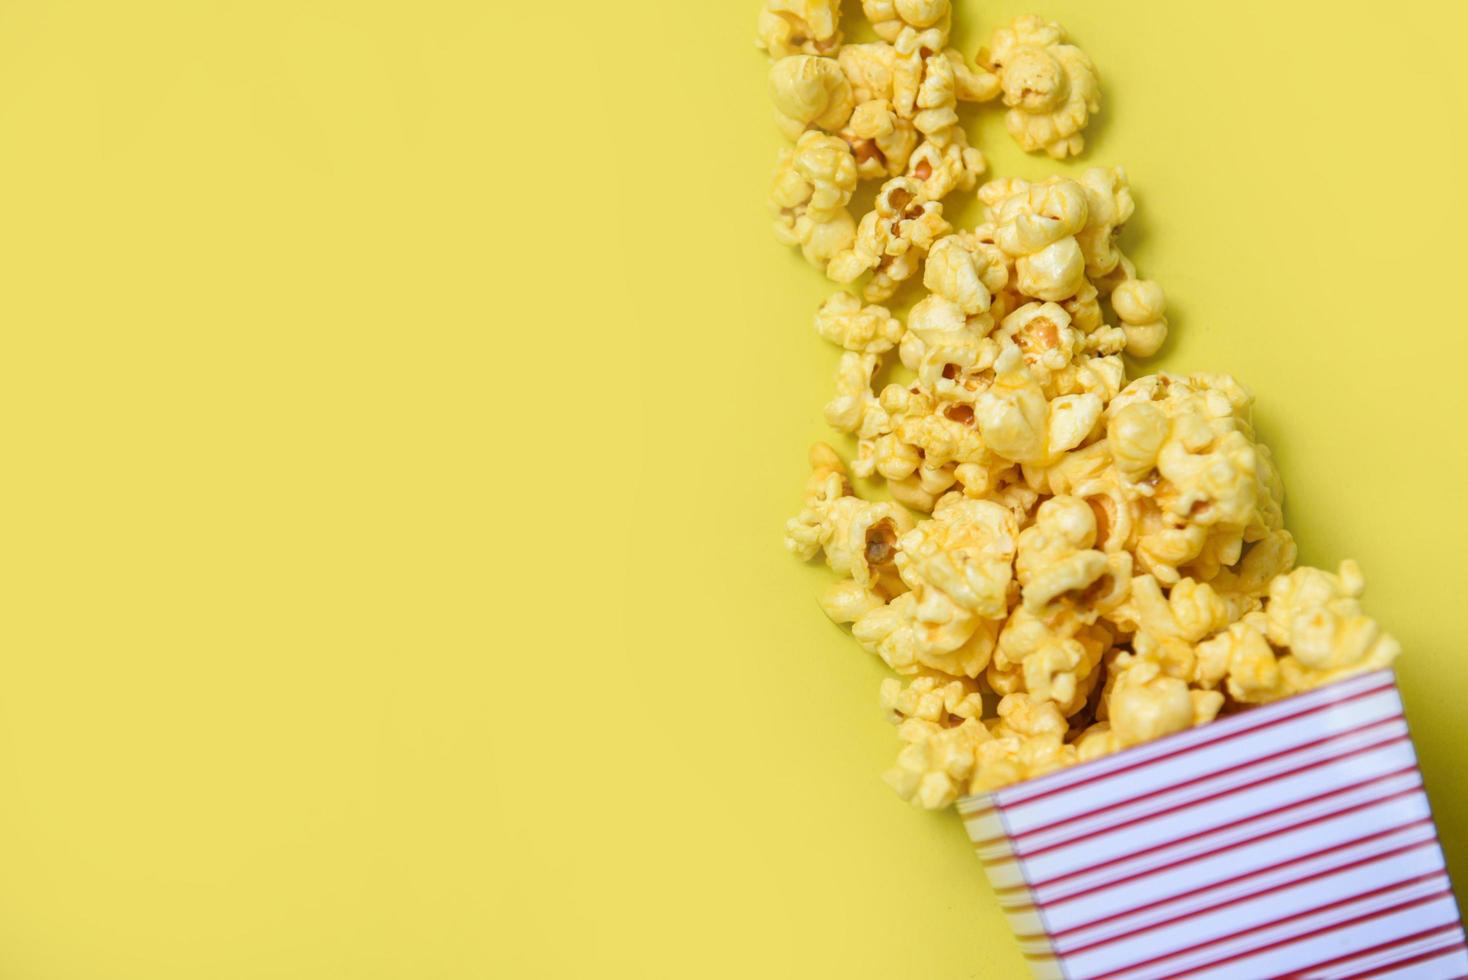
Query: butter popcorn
point(1241, 658)
point(936, 764)
point(915, 632)
point(947, 165)
point(882, 142)
point(1140, 304)
point(890, 17)
point(861, 329)
point(810, 92)
point(1070, 563)
point(813, 183)
point(854, 400)
point(1317, 616)
point(934, 698)
point(1056, 561)
point(1028, 741)
point(1051, 87)
point(1037, 225)
point(816, 177)
point(892, 240)
point(790, 27)
point(1054, 656)
point(928, 82)
point(1146, 703)
point(859, 537)
point(1109, 206)
point(965, 552)
point(965, 271)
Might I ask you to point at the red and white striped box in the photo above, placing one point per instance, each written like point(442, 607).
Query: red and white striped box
point(1290, 840)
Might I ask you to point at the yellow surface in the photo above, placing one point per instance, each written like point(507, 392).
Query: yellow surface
point(401, 404)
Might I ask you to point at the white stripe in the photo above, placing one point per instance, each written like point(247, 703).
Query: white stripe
point(1252, 857)
point(1013, 796)
point(1269, 763)
point(1361, 935)
point(1260, 746)
point(1210, 815)
point(1372, 961)
point(1254, 828)
point(1125, 955)
point(1450, 966)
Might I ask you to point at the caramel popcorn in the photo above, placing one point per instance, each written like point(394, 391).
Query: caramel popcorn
point(1050, 87)
point(1065, 562)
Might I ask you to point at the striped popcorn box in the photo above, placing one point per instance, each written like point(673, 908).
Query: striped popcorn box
point(1291, 840)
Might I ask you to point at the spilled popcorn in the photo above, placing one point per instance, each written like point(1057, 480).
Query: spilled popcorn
point(1069, 563)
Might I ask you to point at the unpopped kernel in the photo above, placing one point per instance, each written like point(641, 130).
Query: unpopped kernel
point(1068, 562)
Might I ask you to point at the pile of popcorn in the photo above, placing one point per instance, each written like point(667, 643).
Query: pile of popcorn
point(1070, 563)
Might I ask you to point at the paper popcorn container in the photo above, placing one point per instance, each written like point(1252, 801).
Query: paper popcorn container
point(1290, 840)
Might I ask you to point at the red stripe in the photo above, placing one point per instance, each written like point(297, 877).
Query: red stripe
point(1430, 955)
point(1372, 950)
point(1287, 940)
point(1281, 886)
point(1214, 775)
point(1188, 804)
point(1426, 821)
point(1319, 818)
point(1042, 787)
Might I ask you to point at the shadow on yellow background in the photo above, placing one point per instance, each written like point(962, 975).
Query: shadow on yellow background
point(402, 403)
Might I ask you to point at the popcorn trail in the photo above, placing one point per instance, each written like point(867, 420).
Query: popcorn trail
point(1098, 562)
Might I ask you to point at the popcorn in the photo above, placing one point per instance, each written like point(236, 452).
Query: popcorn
point(1241, 656)
point(854, 400)
point(1027, 742)
point(790, 27)
point(817, 177)
point(889, 18)
point(1057, 563)
point(932, 698)
point(947, 165)
point(813, 183)
point(1050, 87)
point(914, 632)
point(1037, 225)
point(965, 271)
point(966, 552)
point(928, 82)
point(859, 537)
point(864, 330)
point(1052, 656)
point(1106, 557)
point(848, 600)
point(1147, 703)
point(1317, 616)
point(892, 240)
point(1140, 305)
point(936, 764)
point(1109, 206)
point(810, 92)
point(869, 69)
point(882, 142)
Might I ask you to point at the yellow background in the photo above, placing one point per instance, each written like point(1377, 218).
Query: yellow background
point(401, 402)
